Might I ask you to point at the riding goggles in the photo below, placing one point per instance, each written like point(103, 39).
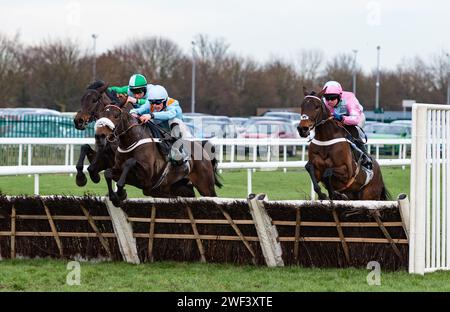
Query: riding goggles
point(138, 90)
point(159, 101)
point(331, 97)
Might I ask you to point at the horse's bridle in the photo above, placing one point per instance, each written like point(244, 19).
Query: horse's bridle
point(114, 134)
point(94, 112)
point(320, 122)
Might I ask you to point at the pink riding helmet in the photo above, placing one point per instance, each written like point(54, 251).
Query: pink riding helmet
point(333, 87)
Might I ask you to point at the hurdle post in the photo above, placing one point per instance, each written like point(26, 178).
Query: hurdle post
point(267, 232)
point(123, 231)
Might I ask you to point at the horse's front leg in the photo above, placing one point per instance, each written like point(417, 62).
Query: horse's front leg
point(310, 168)
point(86, 151)
point(111, 194)
point(127, 166)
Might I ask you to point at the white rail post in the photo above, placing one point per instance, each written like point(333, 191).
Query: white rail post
point(284, 157)
point(36, 184)
point(418, 191)
point(249, 181)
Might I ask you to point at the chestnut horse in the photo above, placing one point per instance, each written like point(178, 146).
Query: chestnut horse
point(331, 160)
point(93, 101)
point(139, 161)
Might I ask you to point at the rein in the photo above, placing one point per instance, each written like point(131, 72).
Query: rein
point(127, 129)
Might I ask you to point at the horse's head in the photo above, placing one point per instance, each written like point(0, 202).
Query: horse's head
point(112, 122)
point(92, 102)
point(312, 110)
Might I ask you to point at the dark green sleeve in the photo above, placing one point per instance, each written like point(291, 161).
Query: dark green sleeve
point(141, 101)
point(119, 90)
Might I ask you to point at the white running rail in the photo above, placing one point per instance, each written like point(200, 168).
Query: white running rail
point(429, 246)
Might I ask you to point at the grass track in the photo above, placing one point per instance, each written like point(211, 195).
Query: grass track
point(50, 275)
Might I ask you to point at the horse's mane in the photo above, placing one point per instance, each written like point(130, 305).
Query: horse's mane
point(96, 84)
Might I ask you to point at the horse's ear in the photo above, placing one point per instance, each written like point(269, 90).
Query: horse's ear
point(127, 107)
point(305, 91)
point(322, 92)
point(103, 88)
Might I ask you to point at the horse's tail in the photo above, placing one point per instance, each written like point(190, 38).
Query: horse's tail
point(217, 176)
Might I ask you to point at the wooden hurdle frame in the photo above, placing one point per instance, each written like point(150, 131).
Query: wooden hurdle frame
point(265, 227)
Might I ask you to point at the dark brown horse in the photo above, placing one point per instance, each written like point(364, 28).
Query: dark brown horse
point(139, 161)
point(93, 101)
point(331, 160)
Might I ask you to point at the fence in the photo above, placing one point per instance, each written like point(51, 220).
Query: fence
point(59, 151)
point(430, 186)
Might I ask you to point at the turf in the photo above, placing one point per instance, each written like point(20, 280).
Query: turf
point(51, 275)
point(294, 184)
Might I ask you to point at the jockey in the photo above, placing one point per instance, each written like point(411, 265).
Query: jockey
point(166, 113)
point(137, 90)
point(345, 107)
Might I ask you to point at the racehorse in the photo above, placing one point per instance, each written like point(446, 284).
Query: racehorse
point(93, 101)
point(139, 161)
point(331, 160)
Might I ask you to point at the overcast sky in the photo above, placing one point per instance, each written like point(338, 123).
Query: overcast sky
point(256, 28)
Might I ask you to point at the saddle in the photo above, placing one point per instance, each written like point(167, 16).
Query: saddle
point(166, 140)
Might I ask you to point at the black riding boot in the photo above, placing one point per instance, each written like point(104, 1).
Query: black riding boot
point(366, 159)
point(178, 156)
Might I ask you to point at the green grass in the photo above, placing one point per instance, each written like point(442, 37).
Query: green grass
point(50, 275)
point(294, 184)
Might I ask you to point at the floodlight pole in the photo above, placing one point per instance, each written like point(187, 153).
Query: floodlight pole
point(94, 74)
point(193, 78)
point(377, 94)
point(354, 71)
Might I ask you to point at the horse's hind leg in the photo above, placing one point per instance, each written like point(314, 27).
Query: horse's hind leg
point(327, 176)
point(204, 185)
point(86, 151)
point(182, 188)
point(310, 169)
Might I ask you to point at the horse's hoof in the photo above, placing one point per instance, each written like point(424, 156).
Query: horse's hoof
point(81, 179)
point(114, 199)
point(323, 197)
point(123, 195)
point(95, 177)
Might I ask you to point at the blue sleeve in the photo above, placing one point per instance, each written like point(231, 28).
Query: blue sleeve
point(170, 113)
point(144, 109)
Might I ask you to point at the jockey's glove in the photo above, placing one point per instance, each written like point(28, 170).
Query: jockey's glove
point(337, 116)
point(131, 99)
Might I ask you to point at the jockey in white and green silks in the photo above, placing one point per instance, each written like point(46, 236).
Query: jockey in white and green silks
point(137, 90)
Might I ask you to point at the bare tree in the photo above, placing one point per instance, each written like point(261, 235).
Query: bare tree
point(308, 63)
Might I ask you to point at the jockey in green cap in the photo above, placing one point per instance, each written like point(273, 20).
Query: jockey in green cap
point(137, 90)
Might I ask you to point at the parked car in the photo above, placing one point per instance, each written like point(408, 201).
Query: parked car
point(271, 129)
point(294, 118)
point(218, 129)
point(239, 123)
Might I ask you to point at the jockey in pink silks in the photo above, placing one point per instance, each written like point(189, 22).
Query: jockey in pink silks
point(345, 107)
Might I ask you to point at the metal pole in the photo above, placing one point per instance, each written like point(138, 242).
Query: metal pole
point(94, 74)
point(448, 79)
point(377, 94)
point(354, 71)
point(193, 78)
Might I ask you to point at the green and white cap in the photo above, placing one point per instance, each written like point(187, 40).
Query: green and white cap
point(137, 81)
